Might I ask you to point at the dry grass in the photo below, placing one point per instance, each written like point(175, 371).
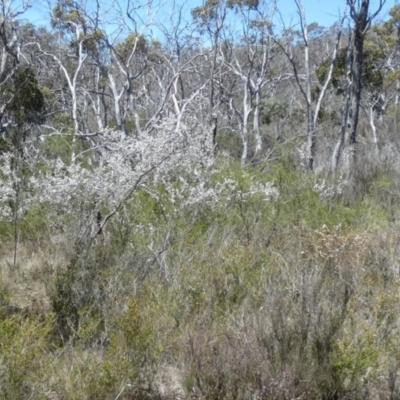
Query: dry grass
point(29, 281)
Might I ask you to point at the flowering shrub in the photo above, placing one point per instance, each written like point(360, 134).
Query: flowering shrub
point(107, 174)
point(16, 190)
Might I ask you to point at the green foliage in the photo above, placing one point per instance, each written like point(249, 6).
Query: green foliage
point(23, 343)
point(63, 122)
point(350, 360)
point(64, 307)
point(392, 77)
point(6, 231)
point(77, 299)
point(134, 42)
point(207, 12)
point(372, 77)
point(91, 42)
point(315, 92)
point(299, 204)
point(130, 124)
point(58, 146)
point(27, 103)
point(65, 14)
point(135, 327)
point(4, 300)
point(229, 143)
point(33, 226)
point(250, 4)
point(29, 224)
point(271, 110)
point(390, 29)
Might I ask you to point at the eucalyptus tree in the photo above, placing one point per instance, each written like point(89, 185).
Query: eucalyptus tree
point(94, 81)
point(304, 71)
point(362, 18)
point(211, 20)
point(381, 73)
point(390, 34)
point(249, 55)
point(21, 108)
point(132, 50)
point(10, 52)
point(68, 19)
point(129, 62)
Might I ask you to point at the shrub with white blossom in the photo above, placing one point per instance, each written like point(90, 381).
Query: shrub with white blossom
point(107, 174)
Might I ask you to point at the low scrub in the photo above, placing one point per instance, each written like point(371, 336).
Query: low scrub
point(286, 288)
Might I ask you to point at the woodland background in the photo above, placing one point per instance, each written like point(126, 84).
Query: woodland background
point(199, 205)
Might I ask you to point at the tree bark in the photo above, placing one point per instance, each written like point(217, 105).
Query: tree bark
point(348, 132)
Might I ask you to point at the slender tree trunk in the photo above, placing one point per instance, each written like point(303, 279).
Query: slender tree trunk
point(256, 123)
point(359, 35)
point(345, 111)
point(348, 131)
point(307, 93)
point(245, 123)
point(97, 105)
point(117, 107)
point(373, 128)
point(310, 117)
point(213, 119)
point(133, 107)
point(245, 142)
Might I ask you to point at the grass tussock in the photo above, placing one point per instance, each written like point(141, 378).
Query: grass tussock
point(294, 297)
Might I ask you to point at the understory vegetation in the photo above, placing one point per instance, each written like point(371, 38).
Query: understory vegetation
point(290, 296)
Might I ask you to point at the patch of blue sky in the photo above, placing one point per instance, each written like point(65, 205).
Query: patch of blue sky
point(325, 12)
point(167, 12)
